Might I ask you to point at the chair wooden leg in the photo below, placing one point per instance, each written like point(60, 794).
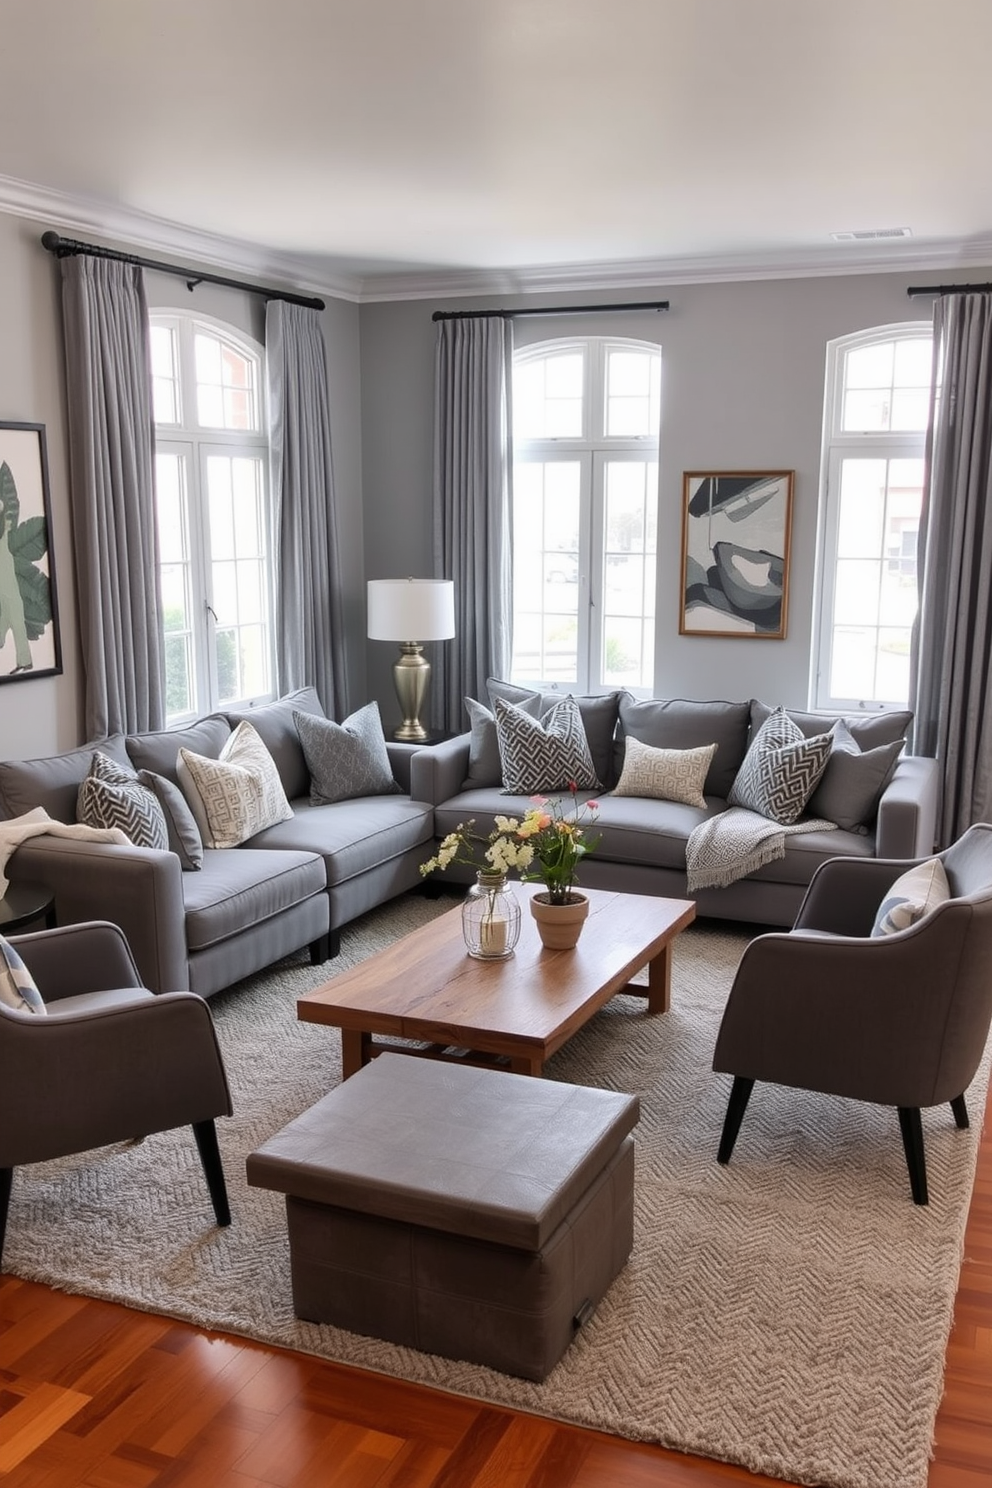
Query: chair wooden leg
point(6, 1179)
point(206, 1140)
point(740, 1094)
point(960, 1112)
point(912, 1140)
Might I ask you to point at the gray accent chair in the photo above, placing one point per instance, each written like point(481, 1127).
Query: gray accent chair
point(899, 1020)
point(109, 1062)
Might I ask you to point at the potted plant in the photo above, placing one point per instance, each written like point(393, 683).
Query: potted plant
point(545, 847)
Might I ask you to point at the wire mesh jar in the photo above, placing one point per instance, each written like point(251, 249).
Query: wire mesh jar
point(491, 918)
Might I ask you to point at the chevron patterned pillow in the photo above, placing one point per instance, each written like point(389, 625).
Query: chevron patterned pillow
point(547, 755)
point(112, 796)
point(780, 770)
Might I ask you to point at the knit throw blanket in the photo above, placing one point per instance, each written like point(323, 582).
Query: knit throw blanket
point(735, 843)
point(38, 823)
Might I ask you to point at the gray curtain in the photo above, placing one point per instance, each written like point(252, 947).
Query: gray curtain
point(111, 432)
point(472, 485)
point(310, 649)
point(951, 688)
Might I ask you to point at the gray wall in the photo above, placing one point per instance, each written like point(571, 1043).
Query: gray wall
point(43, 715)
point(742, 389)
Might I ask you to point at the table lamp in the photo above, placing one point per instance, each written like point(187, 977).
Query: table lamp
point(400, 609)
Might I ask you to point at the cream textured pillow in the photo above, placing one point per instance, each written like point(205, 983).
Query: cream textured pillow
point(912, 896)
point(237, 795)
point(664, 774)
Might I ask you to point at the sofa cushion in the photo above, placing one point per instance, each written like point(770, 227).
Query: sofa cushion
point(348, 759)
point(18, 989)
point(868, 729)
point(354, 836)
point(850, 787)
point(184, 835)
point(276, 727)
point(780, 770)
point(236, 890)
point(915, 893)
point(53, 783)
point(160, 751)
point(664, 774)
point(237, 795)
point(599, 713)
point(547, 754)
point(681, 723)
point(113, 796)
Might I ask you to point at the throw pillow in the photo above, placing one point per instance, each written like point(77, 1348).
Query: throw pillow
point(918, 891)
point(853, 780)
point(780, 770)
point(664, 774)
point(236, 796)
point(112, 796)
point(184, 835)
point(682, 723)
point(484, 766)
point(546, 754)
point(17, 985)
point(346, 759)
point(599, 712)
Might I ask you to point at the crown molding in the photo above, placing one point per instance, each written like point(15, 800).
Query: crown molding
point(141, 230)
point(157, 235)
point(909, 256)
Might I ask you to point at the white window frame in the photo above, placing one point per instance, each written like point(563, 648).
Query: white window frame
point(592, 451)
point(837, 445)
point(194, 443)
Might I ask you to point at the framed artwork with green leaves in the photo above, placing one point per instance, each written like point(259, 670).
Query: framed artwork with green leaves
point(29, 619)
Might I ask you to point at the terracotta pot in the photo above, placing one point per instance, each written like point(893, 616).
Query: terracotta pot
point(559, 925)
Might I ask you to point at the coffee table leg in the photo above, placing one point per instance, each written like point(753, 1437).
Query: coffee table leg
point(660, 981)
point(526, 1064)
point(354, 1051)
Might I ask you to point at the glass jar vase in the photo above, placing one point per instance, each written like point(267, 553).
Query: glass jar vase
point(491, 918)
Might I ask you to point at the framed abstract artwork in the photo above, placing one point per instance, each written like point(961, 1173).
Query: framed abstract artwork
point(29, 621)
point(736, 527)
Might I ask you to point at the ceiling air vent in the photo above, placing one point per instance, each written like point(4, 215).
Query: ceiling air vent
point(871, 234)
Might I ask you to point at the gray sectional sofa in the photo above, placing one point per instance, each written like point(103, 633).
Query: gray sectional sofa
point(642, 847)
point(292, 885)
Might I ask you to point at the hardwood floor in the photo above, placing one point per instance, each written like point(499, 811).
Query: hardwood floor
point(96, 1396)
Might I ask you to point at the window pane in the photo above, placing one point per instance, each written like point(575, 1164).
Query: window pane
point(910, 409)
point(632, 404)
point(870, 366)
point(250, 594)
point(547, 397)
point(210, 406)
point(852, 671)
point(226, 382)
point(913, 363)
point(856, 594)
point(221, 507)
point(178, 676)
point(862, 508)
point(623, 653)
point(868, 411)
point(226, 656)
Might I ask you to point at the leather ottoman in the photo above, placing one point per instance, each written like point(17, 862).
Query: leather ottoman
point(466, 1212)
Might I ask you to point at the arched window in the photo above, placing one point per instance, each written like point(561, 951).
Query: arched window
point(874, 426)
point(586, 415)
point(211, 466)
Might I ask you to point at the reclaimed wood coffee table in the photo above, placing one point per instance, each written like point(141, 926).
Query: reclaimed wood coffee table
point(520, 1011)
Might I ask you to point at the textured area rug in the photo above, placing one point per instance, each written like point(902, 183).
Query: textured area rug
point(788, 1312)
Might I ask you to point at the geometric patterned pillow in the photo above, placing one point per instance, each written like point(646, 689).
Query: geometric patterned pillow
point(913, 895)
point(17, 988)
point(233, 797)
point(780, 770)
point(664, 774)
point(346, 760)
point(112, 796)
point(543, 755)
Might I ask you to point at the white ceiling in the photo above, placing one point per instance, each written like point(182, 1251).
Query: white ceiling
point(382, 147)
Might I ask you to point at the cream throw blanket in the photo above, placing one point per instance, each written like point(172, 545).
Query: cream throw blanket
point(735, 843)
point(38, 822)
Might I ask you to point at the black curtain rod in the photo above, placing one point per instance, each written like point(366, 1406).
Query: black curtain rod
point(942, 289)
point(550, 310)
point(68, 247)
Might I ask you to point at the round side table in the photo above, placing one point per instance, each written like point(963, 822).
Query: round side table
point(24, 903)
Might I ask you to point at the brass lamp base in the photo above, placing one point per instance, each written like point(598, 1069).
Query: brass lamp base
point(411, 674)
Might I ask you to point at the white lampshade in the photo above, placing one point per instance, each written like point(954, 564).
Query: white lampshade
point(411, 609)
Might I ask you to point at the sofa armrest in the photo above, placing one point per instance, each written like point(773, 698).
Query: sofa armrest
point(907, 811)
point(137, 888)
point(437, 772)
point(400, 757)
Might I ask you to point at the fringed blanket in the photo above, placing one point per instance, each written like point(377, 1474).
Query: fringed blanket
point(38, 823)
point(735, 843)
